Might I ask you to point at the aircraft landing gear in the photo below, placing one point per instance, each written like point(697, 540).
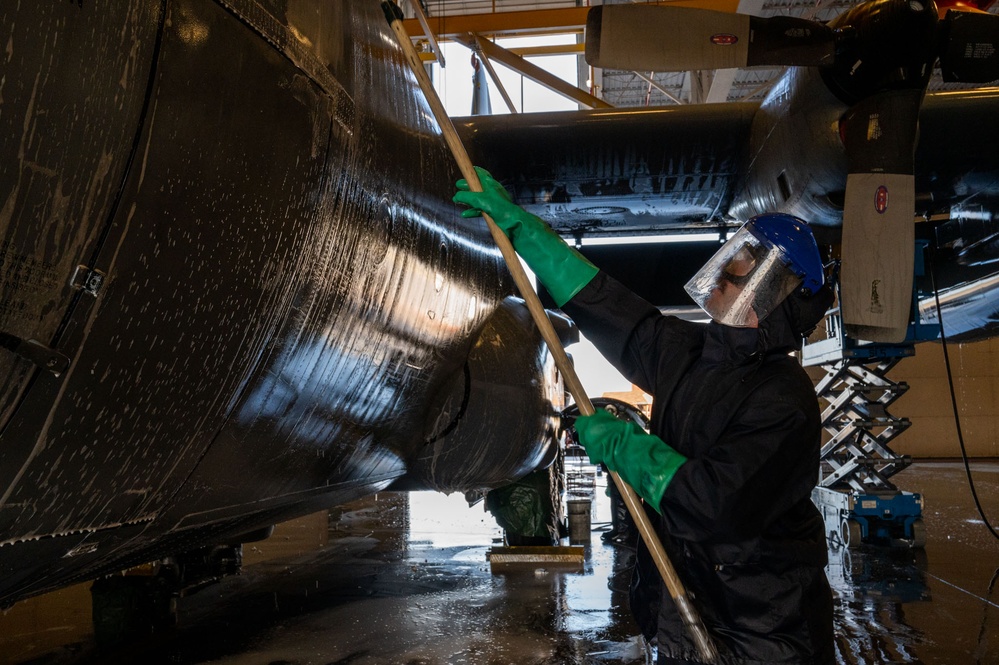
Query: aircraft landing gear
point(143, 600)
point(129, 607)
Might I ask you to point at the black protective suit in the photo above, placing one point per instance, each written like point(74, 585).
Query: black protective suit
point(737, 519)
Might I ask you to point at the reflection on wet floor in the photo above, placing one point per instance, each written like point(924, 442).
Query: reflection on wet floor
point(937, 605)
point(404, 579)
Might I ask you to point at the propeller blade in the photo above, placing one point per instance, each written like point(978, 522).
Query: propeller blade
point(878, 217)
point(969, 49)
point(666, 38)
point(877, 263)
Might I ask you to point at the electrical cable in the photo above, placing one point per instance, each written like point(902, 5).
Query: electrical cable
point(953, 397)
point(983, 629)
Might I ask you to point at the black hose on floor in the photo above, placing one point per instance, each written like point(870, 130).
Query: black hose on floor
point(953, 398)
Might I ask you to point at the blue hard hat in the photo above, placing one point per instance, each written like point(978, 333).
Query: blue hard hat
point(795, 240)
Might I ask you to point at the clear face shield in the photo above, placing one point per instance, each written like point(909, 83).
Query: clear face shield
point(744, 281)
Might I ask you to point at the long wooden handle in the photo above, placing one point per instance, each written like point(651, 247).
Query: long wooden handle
point(537, 310)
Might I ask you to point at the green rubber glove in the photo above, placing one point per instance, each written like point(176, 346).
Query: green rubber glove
point(562, 269)
point(643, 460)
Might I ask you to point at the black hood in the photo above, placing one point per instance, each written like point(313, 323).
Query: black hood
point(782, 331)
point(786, 328)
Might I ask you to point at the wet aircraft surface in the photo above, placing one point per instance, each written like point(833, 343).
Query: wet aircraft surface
point(404, 579)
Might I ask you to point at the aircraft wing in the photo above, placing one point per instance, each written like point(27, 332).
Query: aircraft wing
point(683, 170)
point(675, 169)
point(618, 172)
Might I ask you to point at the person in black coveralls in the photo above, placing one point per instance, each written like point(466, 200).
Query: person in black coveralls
point(732, 454)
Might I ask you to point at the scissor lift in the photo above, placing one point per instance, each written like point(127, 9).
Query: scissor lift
point(858, 501)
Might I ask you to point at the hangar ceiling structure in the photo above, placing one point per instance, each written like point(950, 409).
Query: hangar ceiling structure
point(475, 22)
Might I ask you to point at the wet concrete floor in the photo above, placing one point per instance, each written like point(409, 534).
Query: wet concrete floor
point(401, 579)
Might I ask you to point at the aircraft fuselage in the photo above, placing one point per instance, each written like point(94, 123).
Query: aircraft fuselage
point(228, 226)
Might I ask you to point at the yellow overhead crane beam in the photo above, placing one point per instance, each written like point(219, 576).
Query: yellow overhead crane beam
point(492, 51)
point(532, 23)
point(476, 30)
